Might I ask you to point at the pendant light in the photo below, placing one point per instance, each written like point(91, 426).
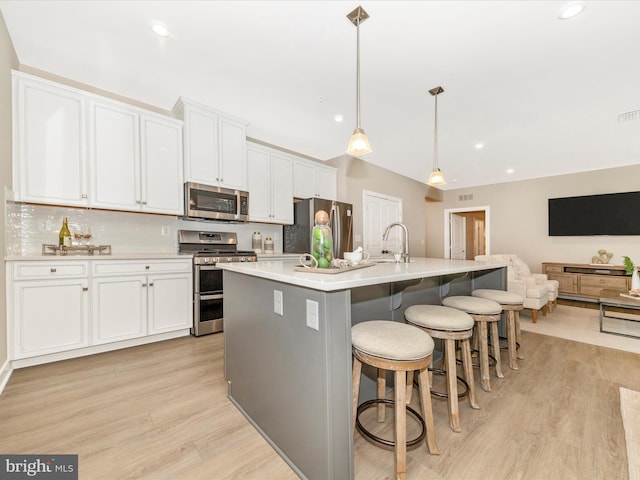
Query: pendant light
point(437, 177)
point(359, 143)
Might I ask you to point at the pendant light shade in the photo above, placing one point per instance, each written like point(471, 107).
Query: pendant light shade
point(437, 177)
point(359, 143)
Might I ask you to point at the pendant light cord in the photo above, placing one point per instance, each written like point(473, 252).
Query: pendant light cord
point(358, 72)
point(435, 137)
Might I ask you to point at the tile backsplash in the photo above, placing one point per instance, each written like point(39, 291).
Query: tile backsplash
point(30, 226)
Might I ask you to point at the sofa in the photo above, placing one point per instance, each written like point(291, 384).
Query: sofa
point(531, 288)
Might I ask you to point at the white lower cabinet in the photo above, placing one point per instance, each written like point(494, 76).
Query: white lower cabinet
point(137, 298)
point(67, 305)
point(119, 308)
point(50, 316)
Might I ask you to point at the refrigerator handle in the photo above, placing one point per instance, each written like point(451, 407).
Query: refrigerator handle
point(335, 230)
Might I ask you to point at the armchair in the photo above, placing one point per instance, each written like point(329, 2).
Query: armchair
point(522, 271)
point(536, 296)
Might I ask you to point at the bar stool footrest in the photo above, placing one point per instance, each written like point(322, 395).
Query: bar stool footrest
point(382, 441)
point(462, 394)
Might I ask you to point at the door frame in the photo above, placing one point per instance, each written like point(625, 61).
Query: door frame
point(447, 227)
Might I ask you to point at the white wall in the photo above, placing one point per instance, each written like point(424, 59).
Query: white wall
point(519, 217)
point(355, 175)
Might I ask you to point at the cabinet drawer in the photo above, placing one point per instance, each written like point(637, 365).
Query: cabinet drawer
point(39, 270)
point(119, 267)
point(600, 281)
point(554, 268)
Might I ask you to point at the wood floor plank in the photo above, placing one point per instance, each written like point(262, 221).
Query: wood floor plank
point(161, 411)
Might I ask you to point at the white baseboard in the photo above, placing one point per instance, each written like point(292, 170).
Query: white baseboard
point(5, 373)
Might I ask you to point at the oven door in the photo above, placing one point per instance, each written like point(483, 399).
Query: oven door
point(207, 314)
point(207, 280)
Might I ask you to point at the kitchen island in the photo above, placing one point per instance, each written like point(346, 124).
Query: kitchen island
point(288, 345)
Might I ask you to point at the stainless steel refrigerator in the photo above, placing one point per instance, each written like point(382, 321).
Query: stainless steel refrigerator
point(297, 237)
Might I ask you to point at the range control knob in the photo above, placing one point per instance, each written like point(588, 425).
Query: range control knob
point(229, 259)
point(207, 260)
point(215, 259)
point(243, 259)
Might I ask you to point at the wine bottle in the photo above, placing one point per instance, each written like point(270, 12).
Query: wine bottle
point(64, 238)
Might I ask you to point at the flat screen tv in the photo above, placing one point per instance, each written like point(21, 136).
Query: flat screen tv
point(609, 214)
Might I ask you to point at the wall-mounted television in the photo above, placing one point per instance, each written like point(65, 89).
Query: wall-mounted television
point(608, 214)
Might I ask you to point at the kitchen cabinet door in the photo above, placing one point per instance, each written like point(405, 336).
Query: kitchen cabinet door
point(170, 302)
point(161, 164)
point(270, 185)
point(119, 308)
point(233, 154)
point(215, 150)
point(310, 179)
point(50, 316)
point(326, 183)
point(114, 153)
point(49, 136)
point(258, 163)
point(281, 189)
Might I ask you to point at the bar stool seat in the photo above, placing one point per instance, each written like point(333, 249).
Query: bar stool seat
point(511, 304)
point(401, 348)
point(450, 325)
point(483, 312)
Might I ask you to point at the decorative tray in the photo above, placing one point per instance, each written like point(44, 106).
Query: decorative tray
point(331, 270)
point(76, 249)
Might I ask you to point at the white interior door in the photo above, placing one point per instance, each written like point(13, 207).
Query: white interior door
point(458, 237)
point(379, 211)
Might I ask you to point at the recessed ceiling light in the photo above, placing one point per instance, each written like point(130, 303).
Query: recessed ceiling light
point(572, 9)
point(510, 171)
point(338, 118)
point(160, 30)
point(479, 146)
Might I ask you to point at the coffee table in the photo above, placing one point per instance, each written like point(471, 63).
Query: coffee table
point(623, 312)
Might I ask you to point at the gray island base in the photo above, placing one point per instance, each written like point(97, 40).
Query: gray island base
point(288, 345)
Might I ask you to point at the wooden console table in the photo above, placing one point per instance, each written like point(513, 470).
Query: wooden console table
point(586, 281)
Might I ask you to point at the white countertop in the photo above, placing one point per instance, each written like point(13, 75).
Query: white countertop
point(120, 256)
point(283, 271)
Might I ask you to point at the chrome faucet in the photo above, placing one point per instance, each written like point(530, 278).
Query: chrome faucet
point(405, 252)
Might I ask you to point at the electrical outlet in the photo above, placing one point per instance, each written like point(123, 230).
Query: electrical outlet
point(313, 320)
point(277, 303)
point(165, 231)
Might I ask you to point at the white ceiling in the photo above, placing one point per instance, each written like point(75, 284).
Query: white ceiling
point(543, 95)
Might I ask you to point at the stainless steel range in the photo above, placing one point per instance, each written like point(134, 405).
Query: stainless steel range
point(209, 249)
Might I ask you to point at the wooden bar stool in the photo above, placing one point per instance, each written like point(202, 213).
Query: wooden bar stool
point(450, 325)
point(483, 312)
point(401, 348)
point(511, 304)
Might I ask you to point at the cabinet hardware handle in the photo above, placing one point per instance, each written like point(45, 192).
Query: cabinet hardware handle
point(146, 267)
point(144, 203)
point(53, 270)
point(85, 289)
point(144, 284)
point(151, 284)
point(84, 195)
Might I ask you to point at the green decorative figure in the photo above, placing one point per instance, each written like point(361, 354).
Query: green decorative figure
point(322, 240)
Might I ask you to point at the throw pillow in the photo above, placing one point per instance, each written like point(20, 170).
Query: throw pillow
point(521, 268)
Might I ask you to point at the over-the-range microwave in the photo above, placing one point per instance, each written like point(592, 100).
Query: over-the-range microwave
point(215, 203)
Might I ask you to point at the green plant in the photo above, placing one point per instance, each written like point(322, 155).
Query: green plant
point(628, 266)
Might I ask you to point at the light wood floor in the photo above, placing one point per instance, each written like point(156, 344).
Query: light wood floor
point(160, 412)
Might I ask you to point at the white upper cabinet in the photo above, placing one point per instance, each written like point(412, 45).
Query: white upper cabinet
point(49, 142)
point(135, 158)
point(161, 165)
point(311, 179)
point(79, 149)
point(215, 150)
point(114, 153)
point(270, 185)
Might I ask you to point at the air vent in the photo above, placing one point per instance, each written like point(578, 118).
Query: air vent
point(628, 116)
point(462, 198)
